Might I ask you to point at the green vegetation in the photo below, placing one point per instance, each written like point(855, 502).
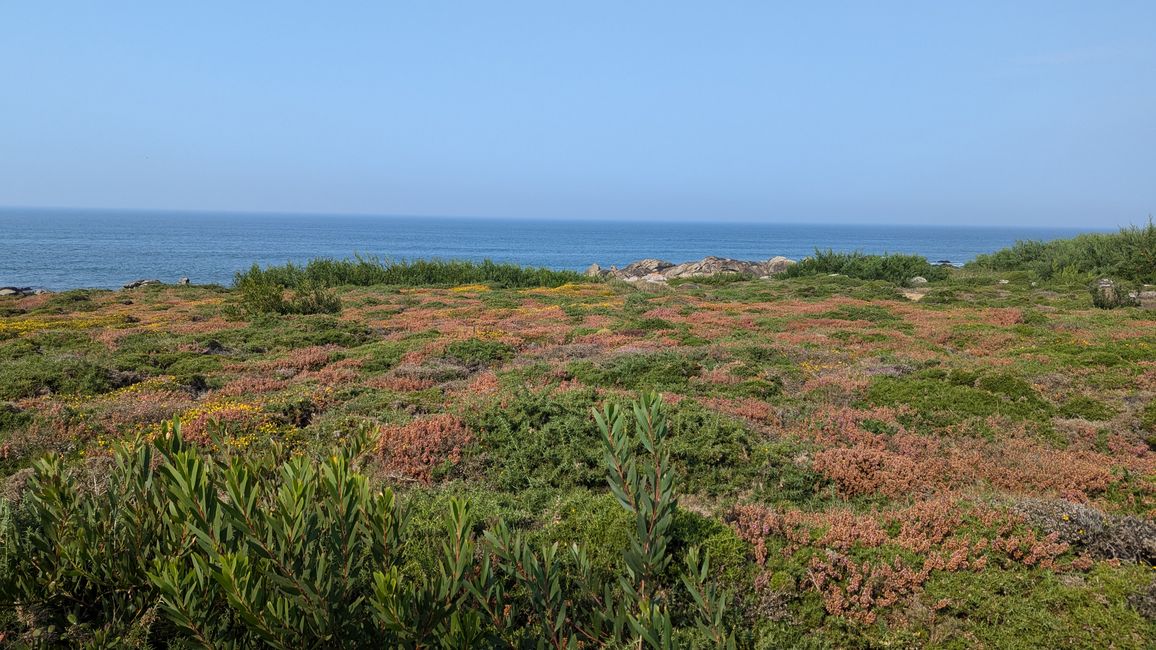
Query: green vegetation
point(262, 294)
point(1129, 255)
point(370, 271)
point(654, 371)
point(898, 269)
point(864, 468)
point(278, 550)
point(477, 352)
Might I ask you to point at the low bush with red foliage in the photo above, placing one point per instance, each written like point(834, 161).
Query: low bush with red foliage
point(948, 533)
point(416, 449)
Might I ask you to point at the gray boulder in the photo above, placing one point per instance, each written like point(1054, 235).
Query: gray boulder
point(917, 281)
point(778, 264)
point(655, 270)
point(136, 284)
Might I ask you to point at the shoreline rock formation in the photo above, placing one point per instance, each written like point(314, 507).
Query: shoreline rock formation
point(655, 270)
point(20, 292)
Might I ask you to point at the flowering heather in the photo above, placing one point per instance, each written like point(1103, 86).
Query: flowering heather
point(302, 359)
point(238, 417)
point(747, 407)
point(416, 449)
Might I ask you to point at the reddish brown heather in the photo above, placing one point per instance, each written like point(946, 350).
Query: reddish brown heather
point(414, 450)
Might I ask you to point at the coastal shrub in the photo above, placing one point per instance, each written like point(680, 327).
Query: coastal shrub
point(275, 332)
point(1082, 406)
point(1034, 608)
point(264, 295)
point(186, 548)
point(478, 352)
point(940, 403)
point(56, 373)
point(537, 439)
point(1148, 424)
point(12, 417)
point(1111, 294)
point(644, 370)
point(1129, 254)
point(369, 271)
point(893, 268)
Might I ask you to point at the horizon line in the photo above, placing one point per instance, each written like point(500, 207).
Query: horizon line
point(593, 218)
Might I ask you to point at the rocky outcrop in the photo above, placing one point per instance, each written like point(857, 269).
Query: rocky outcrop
point(655, 270)
point(20, 292)
point(136, 284)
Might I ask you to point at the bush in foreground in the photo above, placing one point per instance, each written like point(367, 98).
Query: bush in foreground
point(273, 549)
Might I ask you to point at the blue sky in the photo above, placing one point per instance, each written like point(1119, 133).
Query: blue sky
point(1025, 113)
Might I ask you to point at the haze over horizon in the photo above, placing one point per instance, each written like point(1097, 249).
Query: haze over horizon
point(986, 114)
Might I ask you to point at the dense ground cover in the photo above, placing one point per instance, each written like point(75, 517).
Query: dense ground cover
point(973, 469)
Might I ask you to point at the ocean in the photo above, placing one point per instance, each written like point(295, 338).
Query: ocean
point(62, 249)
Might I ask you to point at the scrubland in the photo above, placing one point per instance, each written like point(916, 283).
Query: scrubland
point(416, 462)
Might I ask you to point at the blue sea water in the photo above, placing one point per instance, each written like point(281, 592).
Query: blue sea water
point(61, 249)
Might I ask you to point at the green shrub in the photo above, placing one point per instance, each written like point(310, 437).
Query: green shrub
point(1111, 294)
point(274, 332)
point(12, 418)
point(56, 373)
point(261, 295)
point(478, 352)
point(536, 439)
point(1085, 407)
point(369, 271)
point(1148, 417)
point(897, 269)
point(639, 371)
point(1128, 254)
point(941, 403)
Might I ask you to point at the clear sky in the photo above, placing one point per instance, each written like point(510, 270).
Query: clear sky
point(943, 112)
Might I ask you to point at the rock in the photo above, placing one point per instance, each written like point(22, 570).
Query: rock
point(9, 291)
point(183, 282)
point(135, 284)
point(40, 292)
point(645, 267)
point(944, 263)
point(779, 264)
point(1106, 295)
point(649, 269)
point(1004, 281)
point(917, 281)
point(19, 291)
